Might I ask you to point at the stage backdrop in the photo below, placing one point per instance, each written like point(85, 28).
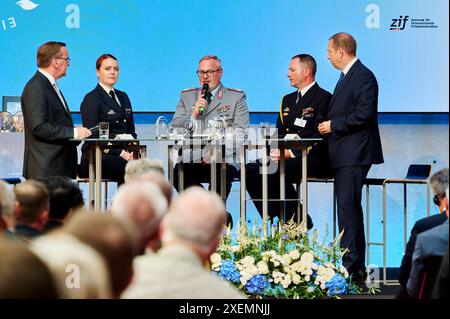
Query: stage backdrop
point(159, 42)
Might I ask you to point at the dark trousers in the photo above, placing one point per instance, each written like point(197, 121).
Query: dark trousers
point(293, 174)
point(197, 173)
point(113, 168)
point(348, 183)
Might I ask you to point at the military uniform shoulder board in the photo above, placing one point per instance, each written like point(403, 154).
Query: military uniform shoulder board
point(191, 89)
point(235, 90)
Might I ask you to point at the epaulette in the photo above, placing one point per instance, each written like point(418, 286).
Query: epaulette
point(191, 89)
point(235, 90)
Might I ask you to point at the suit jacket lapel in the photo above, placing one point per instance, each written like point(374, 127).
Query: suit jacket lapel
point(345, 80)
point(55, 95)
point(107, 98)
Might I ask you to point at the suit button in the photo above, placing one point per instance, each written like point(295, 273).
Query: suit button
point(287, 130)
point(117, 121)
point(124, 121)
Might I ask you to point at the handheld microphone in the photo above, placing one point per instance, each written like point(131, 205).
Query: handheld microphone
point(205, 88)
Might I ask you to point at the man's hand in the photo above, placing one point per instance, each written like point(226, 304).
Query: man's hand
point(201, 102)
point(126, 156)
point(275, 154)
point(325, 127)
point(83, 132)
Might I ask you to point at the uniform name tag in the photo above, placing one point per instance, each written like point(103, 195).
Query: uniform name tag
point(300, 122)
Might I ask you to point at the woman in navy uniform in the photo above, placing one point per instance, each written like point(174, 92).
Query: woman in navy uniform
point(107, 104)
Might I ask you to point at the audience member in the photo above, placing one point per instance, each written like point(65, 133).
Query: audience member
point(7, 220)
point(22, 274)
point(135, 168)
point(31, 209)
point(159, 180)
point(65, 198)
point(191, 231)
point(78, 271)
point(113, 239)
point(433, 242)
point(438, 183)
point(442, 285)
point(142, 204)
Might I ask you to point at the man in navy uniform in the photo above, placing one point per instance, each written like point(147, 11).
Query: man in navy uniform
point(300, 113)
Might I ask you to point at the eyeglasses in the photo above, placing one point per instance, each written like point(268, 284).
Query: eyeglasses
point(437, 198)
point(202, 73)
point(59, 57)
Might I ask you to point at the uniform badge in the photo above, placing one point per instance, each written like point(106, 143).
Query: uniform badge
point(111, 112)
point(220, 94)
point(223, 109)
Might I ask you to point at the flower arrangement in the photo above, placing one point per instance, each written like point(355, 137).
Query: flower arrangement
point(289, 263)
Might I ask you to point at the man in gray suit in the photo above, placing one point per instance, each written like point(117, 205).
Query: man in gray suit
point(190, 233)
point(202, 106)
point(48, 123)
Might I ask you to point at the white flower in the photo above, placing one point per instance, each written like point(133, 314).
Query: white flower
point(343, 271)
point(287, 259)
point(310, 289)
point(248, 260)
point(263, 268)
point(235, 248)
point(294, 254)
point(307, 278)
point(215, 258)
point(296, 279)
point(307, 257)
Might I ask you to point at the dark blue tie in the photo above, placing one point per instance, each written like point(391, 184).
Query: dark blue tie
point(339, 81)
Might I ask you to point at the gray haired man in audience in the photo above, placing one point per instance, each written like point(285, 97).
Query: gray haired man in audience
point(142, 204)
point(191, 231)
point(136, 168)
point(7, 220)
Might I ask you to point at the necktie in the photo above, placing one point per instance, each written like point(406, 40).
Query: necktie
point(55, 86)
point(208, 97)
point(112, 94)
point(299, 96)
point(339, 81)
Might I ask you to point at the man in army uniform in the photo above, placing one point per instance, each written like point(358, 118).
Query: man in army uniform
point(300, 113)
point(202, 107)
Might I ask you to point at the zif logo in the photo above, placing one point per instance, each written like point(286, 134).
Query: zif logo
point(399, 24)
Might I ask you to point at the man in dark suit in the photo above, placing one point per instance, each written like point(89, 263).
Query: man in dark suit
point(300, 113)
point(354, 143)
point(438, 183)
point(48, 123)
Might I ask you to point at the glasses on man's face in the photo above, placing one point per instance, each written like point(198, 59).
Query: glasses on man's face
point(436, 199)
point(202, 73)
point(59, 57)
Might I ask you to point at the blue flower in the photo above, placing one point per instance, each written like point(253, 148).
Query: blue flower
point(229, 271)
point(257, 284)
point(336, 286)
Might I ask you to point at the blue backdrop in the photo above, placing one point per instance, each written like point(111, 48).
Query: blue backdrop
point(158, 44)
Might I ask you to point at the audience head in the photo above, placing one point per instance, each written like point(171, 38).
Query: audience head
point(160, 181)
point(65, 197)
point(6, 206)
point(31, 204)
point(136, 168)
point(438, 184)
point(112, 239)
point(53, 57)
point(195, 219)
point(142, 204)
point(341, 49)
point(79, 271)
point(22, 274)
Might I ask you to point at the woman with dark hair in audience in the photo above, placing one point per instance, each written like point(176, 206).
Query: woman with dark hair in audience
point(107, 104)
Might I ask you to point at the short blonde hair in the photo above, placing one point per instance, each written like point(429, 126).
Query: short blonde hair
point(210, 57)
point(135, 168)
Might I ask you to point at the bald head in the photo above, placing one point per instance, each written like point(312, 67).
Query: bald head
point(160, 181)
point(141, 203)
point(197, 218)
